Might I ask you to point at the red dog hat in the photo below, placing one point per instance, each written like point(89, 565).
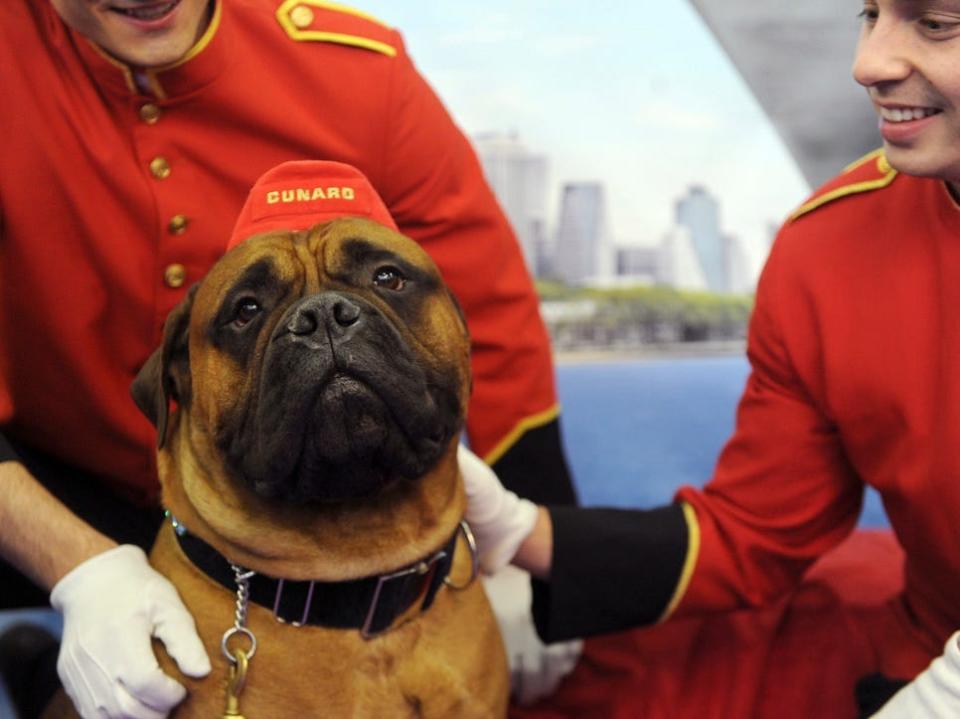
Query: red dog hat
point(297, 195)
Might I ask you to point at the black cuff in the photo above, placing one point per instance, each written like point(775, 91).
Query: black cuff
point(7, 452)
point(612, 569)
point(536, 468)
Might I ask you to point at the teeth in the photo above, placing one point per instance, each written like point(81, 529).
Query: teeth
point(905, 114)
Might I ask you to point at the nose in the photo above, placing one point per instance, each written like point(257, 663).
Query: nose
point(332, 312)
point(883, 52)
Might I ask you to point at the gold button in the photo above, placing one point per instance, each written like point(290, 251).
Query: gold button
point(175, 275)
point(301, 16)
point(178, 224)
point(160, 168)
point(149, 113)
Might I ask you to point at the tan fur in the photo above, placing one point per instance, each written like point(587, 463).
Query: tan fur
point(446, 662)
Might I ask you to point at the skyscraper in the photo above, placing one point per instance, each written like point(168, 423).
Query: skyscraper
point(699, 213)
point(519, 180)
point(739, 277)
point(640, 264)
point(680, 267)
point(584, 249)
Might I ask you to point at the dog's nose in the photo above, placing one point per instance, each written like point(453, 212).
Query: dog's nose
point(330, 311)
point(345, 312)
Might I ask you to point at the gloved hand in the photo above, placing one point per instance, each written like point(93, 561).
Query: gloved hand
point(934, 693)
point(535, 668)
point(499, 519)
point(112, 604)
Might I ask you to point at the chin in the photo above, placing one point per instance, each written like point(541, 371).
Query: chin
point(921, 160)
point(153, 49)
point(152, 54)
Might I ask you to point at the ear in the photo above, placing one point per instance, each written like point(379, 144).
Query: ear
point(165, 375)
point(466, 330)
point(459, 308)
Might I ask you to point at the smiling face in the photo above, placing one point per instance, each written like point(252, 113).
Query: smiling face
point(142, 33)
point(907, 58)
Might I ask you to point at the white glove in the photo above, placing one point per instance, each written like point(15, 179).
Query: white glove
point(112, 604)
point(535, 668)
point(499, 519)
point(934, 694)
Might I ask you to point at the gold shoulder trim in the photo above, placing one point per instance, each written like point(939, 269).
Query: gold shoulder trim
point(887, 175)
point(861, 160)
point(689, 563)
point(298, 24)
point(525, 424)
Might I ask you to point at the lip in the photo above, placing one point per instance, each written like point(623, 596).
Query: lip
point(163, 22)
point(904, 131)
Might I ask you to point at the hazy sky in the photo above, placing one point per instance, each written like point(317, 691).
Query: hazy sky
point(633, 93)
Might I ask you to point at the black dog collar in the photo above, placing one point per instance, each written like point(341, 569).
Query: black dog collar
point(371, 604)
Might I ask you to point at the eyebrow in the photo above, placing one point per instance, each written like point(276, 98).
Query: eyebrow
point(256, 277)
point(362, 251)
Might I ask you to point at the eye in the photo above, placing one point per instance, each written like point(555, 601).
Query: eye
point(389, 278)
point(247, 309)
point(939, 25)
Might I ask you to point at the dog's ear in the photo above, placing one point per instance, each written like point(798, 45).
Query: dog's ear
point(165, 375)
point(466, 329)
point(459, 308)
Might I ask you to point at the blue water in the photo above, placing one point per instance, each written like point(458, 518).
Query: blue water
point(636, 430)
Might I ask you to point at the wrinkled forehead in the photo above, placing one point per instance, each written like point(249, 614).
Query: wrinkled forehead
point(334, 250)
point(259, 260)
point(352, 240)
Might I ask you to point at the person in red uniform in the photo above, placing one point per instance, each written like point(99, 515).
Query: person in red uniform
point(854, 347)
point(131, 132)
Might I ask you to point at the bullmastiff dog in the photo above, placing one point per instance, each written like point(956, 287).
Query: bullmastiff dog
point(309, 396)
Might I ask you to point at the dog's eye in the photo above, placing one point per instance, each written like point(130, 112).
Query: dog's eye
point(389, 278)
point(247, 309)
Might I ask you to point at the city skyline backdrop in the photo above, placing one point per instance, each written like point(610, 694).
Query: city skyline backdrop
point(581, 250)
point(641, 100)
point(694, 254)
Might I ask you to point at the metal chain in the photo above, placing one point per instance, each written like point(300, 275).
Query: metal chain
point(242, 578)
point(243, 595)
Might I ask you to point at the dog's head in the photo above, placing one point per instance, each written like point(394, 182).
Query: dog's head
point(320, 365)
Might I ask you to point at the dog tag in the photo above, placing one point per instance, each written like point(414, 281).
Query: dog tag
point(235, 682)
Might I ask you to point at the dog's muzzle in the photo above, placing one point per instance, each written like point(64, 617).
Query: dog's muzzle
point(345, 406)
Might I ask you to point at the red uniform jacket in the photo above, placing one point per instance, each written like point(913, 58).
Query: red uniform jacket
point(854, 346)
point(115, 200)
